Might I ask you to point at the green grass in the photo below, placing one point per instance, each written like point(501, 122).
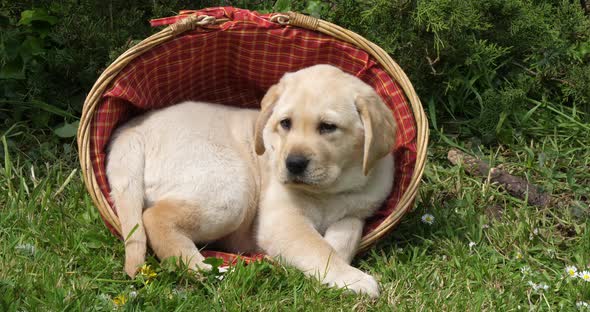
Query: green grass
point(76, 263)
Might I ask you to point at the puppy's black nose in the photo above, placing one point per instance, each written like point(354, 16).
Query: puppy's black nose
point(296, 164)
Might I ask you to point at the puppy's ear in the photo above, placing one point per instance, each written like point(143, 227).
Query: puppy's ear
point(266, 107)
point(379, 126)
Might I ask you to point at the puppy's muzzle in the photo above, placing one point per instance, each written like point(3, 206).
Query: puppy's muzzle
point(296, 164)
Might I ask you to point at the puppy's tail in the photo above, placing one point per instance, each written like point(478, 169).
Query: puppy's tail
point(125, 171)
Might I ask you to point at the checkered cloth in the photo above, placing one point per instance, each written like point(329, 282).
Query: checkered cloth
point(234, 64)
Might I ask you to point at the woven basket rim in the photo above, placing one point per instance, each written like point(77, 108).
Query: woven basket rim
point(292, 19)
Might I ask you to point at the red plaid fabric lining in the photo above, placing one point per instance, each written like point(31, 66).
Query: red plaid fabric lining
point(234, 64)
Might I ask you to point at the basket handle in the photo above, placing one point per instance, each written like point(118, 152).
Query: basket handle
point(296, 19)
point(192, 21)
point(290, 18)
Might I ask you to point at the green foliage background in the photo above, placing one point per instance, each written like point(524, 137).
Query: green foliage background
point(485, 70)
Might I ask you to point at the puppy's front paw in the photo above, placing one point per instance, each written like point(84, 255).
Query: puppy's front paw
point(367, 285)
point(357, 281)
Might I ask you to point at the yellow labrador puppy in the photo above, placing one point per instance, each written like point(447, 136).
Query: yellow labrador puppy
point(295, 180)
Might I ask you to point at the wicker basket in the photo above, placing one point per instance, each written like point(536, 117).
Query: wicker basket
point(215, 19)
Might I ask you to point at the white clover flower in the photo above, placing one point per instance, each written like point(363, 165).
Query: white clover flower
point(533, 285)
point(133, 294)
point(581, 304)
point(538, 287)
point(532, 235)
point(28, 249)
point(428, 219)
point(472, 244)
point(543, 286)
point(585, 275)
point(572, 271)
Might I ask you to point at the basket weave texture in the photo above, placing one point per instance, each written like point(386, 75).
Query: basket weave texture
point(231, 57)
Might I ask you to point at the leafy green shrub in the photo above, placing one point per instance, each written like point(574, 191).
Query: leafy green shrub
point(24, 46)
point(483, 64)
point(78, 40)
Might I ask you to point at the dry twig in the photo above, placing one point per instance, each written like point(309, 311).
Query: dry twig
point(516, 186)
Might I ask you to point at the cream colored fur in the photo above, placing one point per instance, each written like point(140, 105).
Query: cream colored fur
point(205, 173)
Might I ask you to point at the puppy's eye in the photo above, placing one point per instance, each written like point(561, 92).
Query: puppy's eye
point(286, 123)
point(325, 127)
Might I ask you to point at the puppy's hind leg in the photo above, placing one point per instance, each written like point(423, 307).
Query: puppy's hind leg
point(169, 226)
point(125, 171)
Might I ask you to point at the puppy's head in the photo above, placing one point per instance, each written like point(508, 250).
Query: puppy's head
point(320, 123)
